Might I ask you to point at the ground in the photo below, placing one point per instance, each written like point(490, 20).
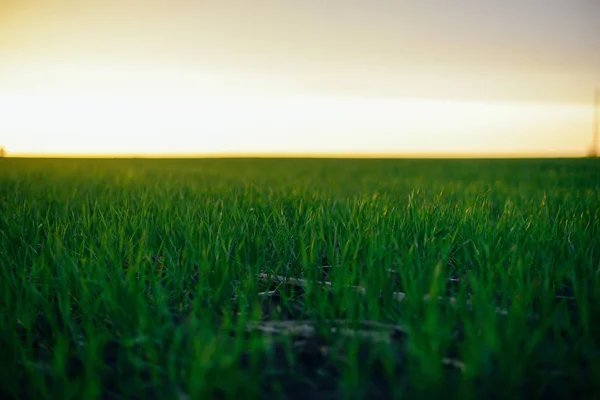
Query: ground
point(299, 278)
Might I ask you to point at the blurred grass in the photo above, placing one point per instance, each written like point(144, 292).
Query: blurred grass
point(139, 278)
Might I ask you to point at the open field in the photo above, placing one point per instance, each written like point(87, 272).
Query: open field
point(190, 279)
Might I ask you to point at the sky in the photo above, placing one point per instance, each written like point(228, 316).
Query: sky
point(298, 77)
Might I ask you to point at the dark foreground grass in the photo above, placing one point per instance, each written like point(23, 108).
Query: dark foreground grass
point(190, 279)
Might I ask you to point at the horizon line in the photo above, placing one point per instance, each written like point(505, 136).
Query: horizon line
point(315, 155)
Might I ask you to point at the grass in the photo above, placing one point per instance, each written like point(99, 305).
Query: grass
point(195, 279)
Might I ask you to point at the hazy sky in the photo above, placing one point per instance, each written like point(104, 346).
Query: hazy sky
point(284, 76)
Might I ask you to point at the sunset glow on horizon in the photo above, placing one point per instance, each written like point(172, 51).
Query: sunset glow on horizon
point(297, 78)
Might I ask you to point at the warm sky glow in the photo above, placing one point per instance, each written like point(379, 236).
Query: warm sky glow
point(305, 77)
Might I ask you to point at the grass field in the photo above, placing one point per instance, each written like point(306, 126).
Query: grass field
point(194, 279)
